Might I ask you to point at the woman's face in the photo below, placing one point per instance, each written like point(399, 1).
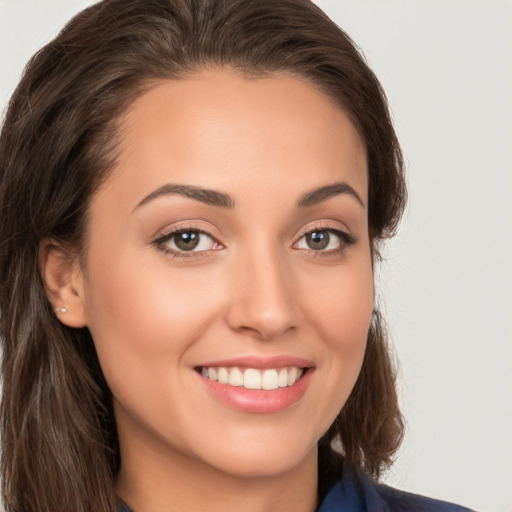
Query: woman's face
point(230, 243)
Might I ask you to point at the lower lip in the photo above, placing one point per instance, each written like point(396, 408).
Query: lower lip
point(260, 401)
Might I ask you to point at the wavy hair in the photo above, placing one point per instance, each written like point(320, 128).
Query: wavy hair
point(57, 145)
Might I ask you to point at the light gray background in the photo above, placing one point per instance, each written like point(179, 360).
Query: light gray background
point(446, 284)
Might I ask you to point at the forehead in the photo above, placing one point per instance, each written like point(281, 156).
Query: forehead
point(216, 128)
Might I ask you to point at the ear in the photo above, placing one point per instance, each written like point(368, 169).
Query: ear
point(64, 283)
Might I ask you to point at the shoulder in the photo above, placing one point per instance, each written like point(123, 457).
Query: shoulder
point(358, 493)
point(400, 500)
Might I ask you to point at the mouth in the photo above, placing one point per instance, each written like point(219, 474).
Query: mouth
point(257, 385)
point(266, 379)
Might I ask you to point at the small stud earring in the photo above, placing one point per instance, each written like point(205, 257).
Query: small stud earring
point(60, 310)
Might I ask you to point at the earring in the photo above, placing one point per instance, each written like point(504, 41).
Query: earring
point(60, 310)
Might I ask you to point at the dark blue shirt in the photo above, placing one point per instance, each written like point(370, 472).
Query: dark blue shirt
point(358, 493)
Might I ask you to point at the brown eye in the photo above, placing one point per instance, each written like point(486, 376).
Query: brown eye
point(187, 240)
point(318, 240)
point(325, 240)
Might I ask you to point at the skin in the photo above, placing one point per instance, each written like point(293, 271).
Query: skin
point(256, 289)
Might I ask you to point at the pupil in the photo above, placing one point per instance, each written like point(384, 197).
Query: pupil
point(318, 240)
point(187, 240)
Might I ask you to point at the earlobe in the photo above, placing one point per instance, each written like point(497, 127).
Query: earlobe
point(64, 284)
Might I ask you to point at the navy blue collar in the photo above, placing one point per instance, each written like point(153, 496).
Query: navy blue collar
point(346, 495)
point(356, 492)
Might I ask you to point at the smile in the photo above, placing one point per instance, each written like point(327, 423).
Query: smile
point(257, 385)
point(253, 378)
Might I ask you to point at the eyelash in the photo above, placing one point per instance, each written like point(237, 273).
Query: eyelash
point(160, 243)
point(345, 238)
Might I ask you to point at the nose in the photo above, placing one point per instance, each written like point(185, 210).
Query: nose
point(263, 302)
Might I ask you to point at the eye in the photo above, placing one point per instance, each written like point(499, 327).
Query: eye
point(187, 241)
point(325, 240)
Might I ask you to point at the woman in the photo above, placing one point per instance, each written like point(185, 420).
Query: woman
point(193, 196)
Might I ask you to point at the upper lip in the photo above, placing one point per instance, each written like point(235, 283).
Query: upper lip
point(261, 362)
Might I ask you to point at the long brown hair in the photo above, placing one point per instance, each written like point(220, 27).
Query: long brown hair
point(57, 145)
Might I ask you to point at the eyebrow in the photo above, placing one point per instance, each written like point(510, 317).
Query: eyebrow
point(323, 193)
point(215, 198)
point(204, 195)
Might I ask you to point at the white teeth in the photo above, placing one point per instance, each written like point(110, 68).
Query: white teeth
point(282, 380)
point(252, 378)
point(236, 377)
point(292, 375)
point(269, 380)
point(222, 376)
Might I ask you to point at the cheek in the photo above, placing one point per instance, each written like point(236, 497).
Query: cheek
point(341, 307)
point(341, 312)
point(143, 316)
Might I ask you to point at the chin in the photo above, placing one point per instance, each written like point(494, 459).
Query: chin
point(260, 459)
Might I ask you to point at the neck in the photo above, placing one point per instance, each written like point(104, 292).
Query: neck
point(169, 481)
